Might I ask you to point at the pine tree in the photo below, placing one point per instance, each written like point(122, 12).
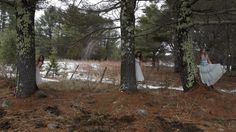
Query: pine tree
point(185, 46)
point(127, 20)
point(53, 62)
point(26, 80)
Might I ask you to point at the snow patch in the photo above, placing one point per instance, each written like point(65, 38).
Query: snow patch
point(228, 91)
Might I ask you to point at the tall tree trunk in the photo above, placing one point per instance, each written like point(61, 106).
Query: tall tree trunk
point(185, 46)
point(176, 54)
point(127, 20)
point(229, 54)
point(3, 18)
point(26, 81)
point(176, 62)
point(108, 47)
point(153, 59)
point(158, 63)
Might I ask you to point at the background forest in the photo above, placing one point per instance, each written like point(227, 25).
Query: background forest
point(75, 33)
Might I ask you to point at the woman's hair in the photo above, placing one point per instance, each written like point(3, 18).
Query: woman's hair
point(201, 52)
point(38, 60)
point(139, 55)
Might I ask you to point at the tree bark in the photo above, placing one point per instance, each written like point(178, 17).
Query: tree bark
point(158, 63)
point(3, 18)
point(229, 54)
point(153, 59)
point(108, 47)
point(26, 80)
point(127, 20)
point(176, 64)
point(175, 53)
point(185, 46)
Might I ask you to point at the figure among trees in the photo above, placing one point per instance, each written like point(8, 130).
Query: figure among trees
point(209, 73)
point(86, 31)
point(39, 64)
point(117, 65)
point(138, 70)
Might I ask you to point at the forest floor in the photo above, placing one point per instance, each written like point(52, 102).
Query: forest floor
point(85, 106)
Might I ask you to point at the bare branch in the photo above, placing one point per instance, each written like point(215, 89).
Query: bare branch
point(102, 1)
point(115, 6)
point(194, 2)
point(93, 32)
point(118, 37)
point(207, 12)
point(154, 29)
point(214, 22)
point(8, 2)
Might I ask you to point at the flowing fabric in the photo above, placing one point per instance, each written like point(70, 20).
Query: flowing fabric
point(138, 70)
point(210, 73)
point(38, 76)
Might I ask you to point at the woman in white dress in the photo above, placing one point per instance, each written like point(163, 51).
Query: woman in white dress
point(39, 64)
point(138, 70)
point(209, 73)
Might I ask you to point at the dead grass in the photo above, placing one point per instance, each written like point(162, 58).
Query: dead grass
point(94, 70)
point(164, 77)
point(74, 85)
point(89, 106)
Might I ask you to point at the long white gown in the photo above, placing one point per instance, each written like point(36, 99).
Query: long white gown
point(210, 73)
point(38, 75)
point(138, 70)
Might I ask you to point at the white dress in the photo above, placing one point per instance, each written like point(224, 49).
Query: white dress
point(138, 70)
point(210, 73)
point(38, 75)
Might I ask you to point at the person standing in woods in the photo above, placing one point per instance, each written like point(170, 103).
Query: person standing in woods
point(138, 70)
point(209, 73)
point(39, 64)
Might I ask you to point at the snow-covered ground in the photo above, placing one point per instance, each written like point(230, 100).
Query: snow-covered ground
point(92, 71)
point(148, 86)
point(228, 91)
point(89, 71)
point(86, 71)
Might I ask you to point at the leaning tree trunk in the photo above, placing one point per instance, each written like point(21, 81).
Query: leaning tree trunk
point(127, 20)
point(26, 80)
point(185, 46)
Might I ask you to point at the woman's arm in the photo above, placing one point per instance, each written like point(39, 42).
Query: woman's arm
point(199, 59)
point(141, 64)
point(39, 64)
point(208, 59)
